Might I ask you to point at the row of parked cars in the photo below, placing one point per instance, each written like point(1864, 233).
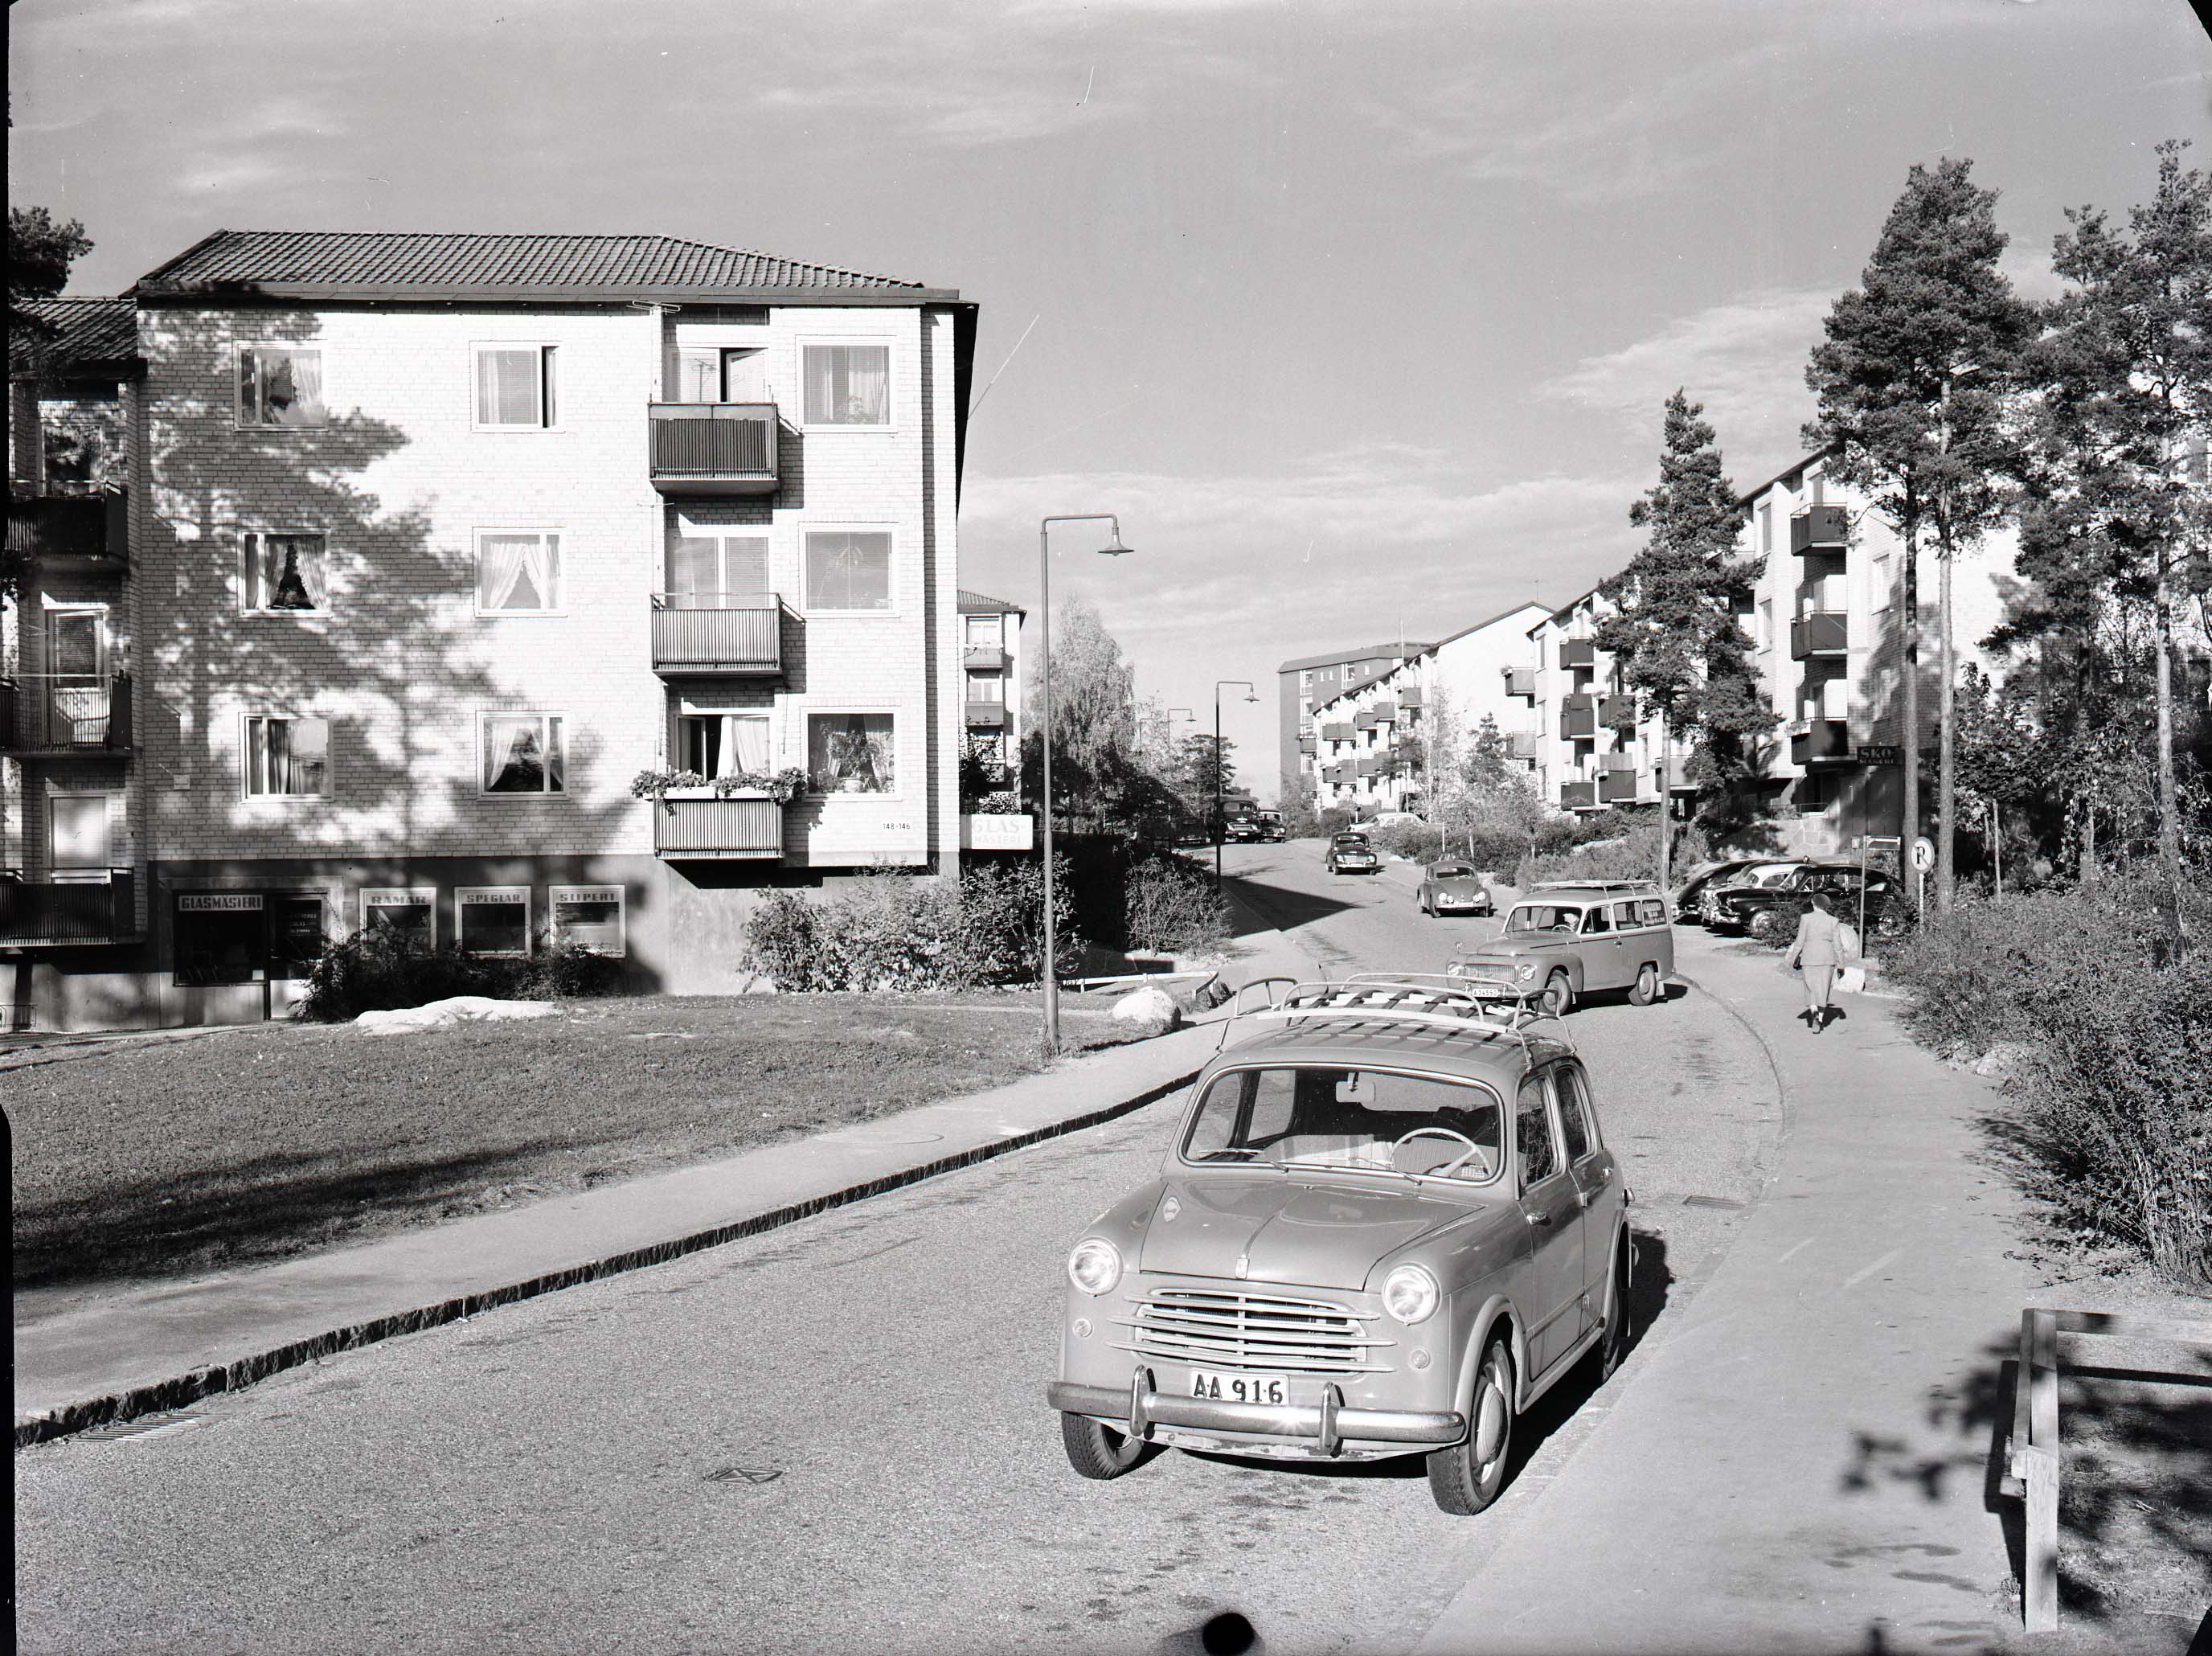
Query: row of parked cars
point(1765, 897)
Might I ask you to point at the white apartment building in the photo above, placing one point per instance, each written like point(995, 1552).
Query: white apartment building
point(991, 657)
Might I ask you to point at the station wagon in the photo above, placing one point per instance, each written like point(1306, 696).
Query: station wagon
point(1564, 941)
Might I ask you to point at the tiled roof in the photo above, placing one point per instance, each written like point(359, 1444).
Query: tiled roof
point(437, 264)
point(86, 330)
point(983, 604)
point(1406, 651)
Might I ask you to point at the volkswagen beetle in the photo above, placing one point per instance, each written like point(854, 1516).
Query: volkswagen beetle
point(1387, 1224)
point(1453, 886)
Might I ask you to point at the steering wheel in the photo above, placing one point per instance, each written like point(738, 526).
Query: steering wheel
point(1450, 1167)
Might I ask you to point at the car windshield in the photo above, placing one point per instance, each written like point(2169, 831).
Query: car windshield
point(1368, 1121)
point(1531, 917)
point(1451, 871)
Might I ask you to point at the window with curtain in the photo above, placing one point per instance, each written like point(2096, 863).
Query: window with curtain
point(280, 385)
point(985, 631)
point(848, 569)
point(850, 753)
point(987, 687)
point(524, 753)
point(515, 387)
point(707, 571)
point(722, 744)
point(287, 758)
point(284, 573)
point(848, 384)
point(518, 572)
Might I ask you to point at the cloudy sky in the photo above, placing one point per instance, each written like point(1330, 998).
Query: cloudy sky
point(1360, 314)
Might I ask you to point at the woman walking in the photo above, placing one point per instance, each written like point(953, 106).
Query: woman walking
point(1823, 943)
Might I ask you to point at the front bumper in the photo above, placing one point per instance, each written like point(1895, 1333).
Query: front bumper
point(1319, 1430)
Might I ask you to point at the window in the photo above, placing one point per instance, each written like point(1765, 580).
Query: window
point(1345, 1119)
point(987, 687)
point(722, 744)
point(850, 753)
point(1595, 920)
point(1532, 1135)
point(410, 909)
point(515, 387)
point(1765, 623)
point(287, 758)
point(1574, 1113)
point(707, 570)
point(986, 631)
point(492, 919)
point(848, 569)
point(589, 917)
point(518, 572)
point(281, 385)
point(297, 932)
point(1884, 587)
point(522, 753)
point(717, 373)
point(848, 384)
point(284, 574)
point(219, 937)
point(1625, 917)
point(1650, 911)
point(1766, 526)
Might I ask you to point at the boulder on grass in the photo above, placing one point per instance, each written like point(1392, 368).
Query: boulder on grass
point(1152, 1010)
point(445, 1014)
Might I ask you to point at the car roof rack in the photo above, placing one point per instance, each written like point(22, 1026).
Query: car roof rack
point(1595, 885)
point(1426, 1000)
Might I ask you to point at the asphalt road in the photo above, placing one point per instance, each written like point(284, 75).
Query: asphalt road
point(833, 1437)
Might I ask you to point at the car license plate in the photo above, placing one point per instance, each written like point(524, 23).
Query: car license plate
point(1238, 1388)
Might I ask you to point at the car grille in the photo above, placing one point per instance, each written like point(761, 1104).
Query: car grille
point(1238, 1329)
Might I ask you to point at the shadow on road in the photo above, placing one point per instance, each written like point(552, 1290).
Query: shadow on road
point(1263, 906)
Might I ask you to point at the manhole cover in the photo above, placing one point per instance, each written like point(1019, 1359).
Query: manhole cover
point(754, 1475)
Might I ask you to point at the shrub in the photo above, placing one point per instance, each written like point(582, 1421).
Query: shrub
point(2108, 1042)
point(1634, 855)
point(1173, 908)
point(379, 970)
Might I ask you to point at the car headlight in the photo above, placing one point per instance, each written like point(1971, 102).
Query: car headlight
point(1095, 1265)
point(1525, 970)
point(1410, 1294)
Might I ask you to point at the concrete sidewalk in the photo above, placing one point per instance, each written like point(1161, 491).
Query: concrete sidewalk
point(1801, 1459)
point(161, 1345)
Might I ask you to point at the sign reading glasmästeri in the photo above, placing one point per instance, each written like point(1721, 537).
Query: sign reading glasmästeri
point(218, 902)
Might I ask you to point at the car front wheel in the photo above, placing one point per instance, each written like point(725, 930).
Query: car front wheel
point(1559, 996)
point(1098, 1451)
point(1467, 1477)
point(1763, 924)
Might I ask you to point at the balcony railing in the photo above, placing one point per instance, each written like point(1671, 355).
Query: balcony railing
point(1371, 766)
point(1525, 744)
point(1614, 762)
point(1411, 695)
point(35, 913)
point(1615, 712)
point(1578, 796)
point(986, 716)
point(1306, 744)
point(1577, 717)
point(1336, 733)
point(1577, 653)
point(1820, 741)
point(984, 658)
point(1818, 632)
point(48, 717)
point(1521, 681)
point(1374, 719)
point(728, 635)
point(713, 449)
point(718, 829)
point(1819, 529)
point(92, 528)
point(1617, 788)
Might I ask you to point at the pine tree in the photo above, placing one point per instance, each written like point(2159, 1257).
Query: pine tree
point(1912, 380)
point(1674, 632)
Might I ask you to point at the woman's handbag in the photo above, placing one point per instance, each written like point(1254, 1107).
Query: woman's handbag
point(1852, 979)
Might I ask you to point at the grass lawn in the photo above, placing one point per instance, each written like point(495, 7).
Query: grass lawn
point(151, 1159)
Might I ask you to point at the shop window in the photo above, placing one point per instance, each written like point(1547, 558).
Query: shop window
point(492, 919)
point(590, 917)
point(410, 909)
point(219, 938)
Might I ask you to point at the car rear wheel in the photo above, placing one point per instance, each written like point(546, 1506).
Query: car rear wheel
point(1467, 1477)
point(1612, 1349)
point(1645, 989)
point(1763, 923)
point(1559, 996)
point(1098, 1451)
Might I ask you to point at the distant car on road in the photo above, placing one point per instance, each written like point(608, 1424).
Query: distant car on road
point(1565, 940)
point(1387, 1225)
point(1765, 871)
point(1769, 911)
point(1350, 854)
point(1453, 886)
point(1241, 831)
point(1272, 829)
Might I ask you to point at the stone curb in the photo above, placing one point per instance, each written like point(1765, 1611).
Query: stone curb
point(183, 1389)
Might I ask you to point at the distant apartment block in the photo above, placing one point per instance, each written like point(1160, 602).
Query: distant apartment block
point(991, 658)
point(415, 550)
point(1303, 685)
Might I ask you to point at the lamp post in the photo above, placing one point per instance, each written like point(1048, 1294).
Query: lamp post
point(1220, 829)
point(1112, 549)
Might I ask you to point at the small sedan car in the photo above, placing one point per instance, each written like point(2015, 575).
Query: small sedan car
point(1772, 912)
point(1455, 887)
point(1767, 871)
point(1689, 896)
point(1387, 1225)
point(1565, 940)
point(1350, 854)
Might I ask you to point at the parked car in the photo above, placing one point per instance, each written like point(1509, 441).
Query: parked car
point(1690, 894)
point(1271, 826)
point(1350, 854)
point(1241, 831)
point(1565, 940)
point(1769, 911)
point(1388, 1223)
point(1764, 872)
point(1455, 886)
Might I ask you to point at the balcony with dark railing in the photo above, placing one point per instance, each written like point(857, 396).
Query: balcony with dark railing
point(718, 829)
point(1412, 695)
point(90, 532)
point(50, 913)
point(724, 635)
point(1616, 784)
point(84, 719)
point(1578, 718)
point(1577, 653)
point(1306, 744)
point(986, 715)
point(1578, 796)
point(1336, 733)
point(713, 449)
point(1617, 712)
point(1819, 529)
point(1521, 681)
point(1375, 718)
point(1818, 632)
point(1820, 741)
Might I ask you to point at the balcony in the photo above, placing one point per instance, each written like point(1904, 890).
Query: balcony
point(43, 914)
point(1336, 733)
point(1577, 653)
point(986, 716)
point(1617, 712)
point(1617, 787)
point(1525, 744)
point(1306, 744)
point(89, 530)
point(1578, 796)
point(1818, 632)
point(1819, 529)
point(713, 449)
point(1820, 741)
point(80, 720)
point(1371, 766)
point(1521, 681)
point(1412, 695)
point(1578, 718)
point(722, 635)
point(1375, 718)
point(718, 829)
point(985, 658)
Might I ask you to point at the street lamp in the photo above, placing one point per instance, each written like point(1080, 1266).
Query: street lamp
point(1252, 695)
point(1112, 549)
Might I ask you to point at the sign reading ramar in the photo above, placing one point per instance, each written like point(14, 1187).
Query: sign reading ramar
point(1879, 754)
